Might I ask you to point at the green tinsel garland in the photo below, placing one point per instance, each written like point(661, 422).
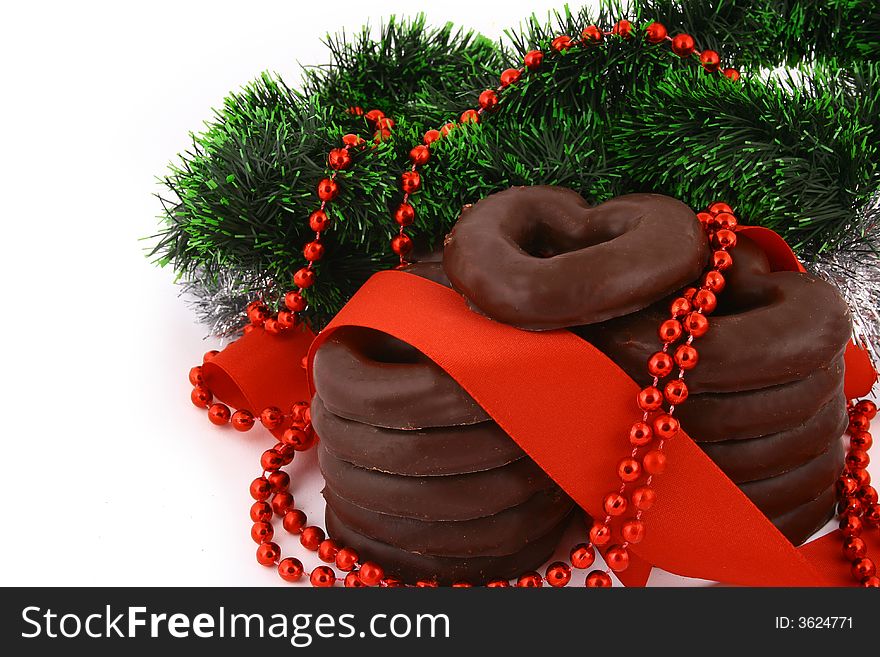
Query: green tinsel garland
point(797, 152)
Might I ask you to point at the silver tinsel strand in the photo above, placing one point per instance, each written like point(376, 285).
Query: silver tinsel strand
point(856, 273)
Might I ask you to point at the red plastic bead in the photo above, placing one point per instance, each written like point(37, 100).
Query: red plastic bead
point(718, 207)
point(872, 582)
point(431, 136)
point(385, 123)
point(261, 512)
point(282, 503)
point(859, 440)
point(295, 302)
point(725, 221)
point(401, 244)
point(530, 580)
point(696, 324)
point(680, 307)
point(294, 521)
point(410, 181)
point(290, 569)
point(705, 301)
point(488, 100)
point(374, 115)
point(629, 469)
point(633, 531)
point(268, 554)
point(405, 214)
point(558, 574)
point(854, 548)
point(346, 559)
point(867, 495)
point(582, 555)
point(862, 568)
point(676, 392)
point(660, 364)
point(731, 74)
point(710, 60)
point(322, 577)
point(851, 526)
point(623, 28)
point(299, 439)
point(420, 155)
point(286, 320)
point(640, 434)
point(722, 260)
point(426, 584)
point(683, 45)
point(561, 43)
point(219, 414)
point(686, 357)
point(867, 408)
point(592, 34)
point(261, 489)
point(313, 251)
point(714, 281)
point(650, 399)
point(510, 76)
point(391, 583)
point(311, 537)
point(328, 189)
point(857, 459)
point(242, 420)
point(600, 534)
point(617, 558)
point(858, 422)
point(654, 462)
point(533, 59)
point(339, 158)
point(210, 355)
point(271, 460)
point(643, 498)
point(666, 426)
point(271, 417)
point(862, 477)
point(304, 278)
point(670, 330)
point(352, 140)
point(353, 581)
point(470, 116)
point(655, 33)
point(725, 239)
point(498, 584)
point(201, 396)
point(327, 550)
point(872, 516)
point(371, 573)
point(318, 221)
point(446, 129)
point(279, 481)
point(598, 579)
point(272, 326)
point(614, 504)
point(262, 532)
point(195, 376)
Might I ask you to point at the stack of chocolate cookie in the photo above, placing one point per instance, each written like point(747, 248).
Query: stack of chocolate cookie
point(766, 398)
point(417, 475)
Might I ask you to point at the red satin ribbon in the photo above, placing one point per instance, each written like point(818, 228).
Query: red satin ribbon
point(569, 407)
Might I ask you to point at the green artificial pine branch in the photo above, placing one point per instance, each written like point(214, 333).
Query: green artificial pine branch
point(798, 153)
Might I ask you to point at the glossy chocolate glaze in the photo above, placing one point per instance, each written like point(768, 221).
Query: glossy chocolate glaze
point(368, 376)
point(418, 452)
point(769, 329)
point(713, 417)
point(768, 456)
point(412, 566)
point(805, 520)
point(450, 497)
point(780, 494)
point(541, 258)
point(500, 534)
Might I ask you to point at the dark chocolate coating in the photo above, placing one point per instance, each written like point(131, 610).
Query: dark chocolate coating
point(713, 417)
point(780, 494)
point(450, 497)
point(802, 522)
point(412, 566)
point(768, 456)
point(540, 258)
point(418, 452)
point(500, 534)
point(371, 377)
point(429, 269)
point(769, 329)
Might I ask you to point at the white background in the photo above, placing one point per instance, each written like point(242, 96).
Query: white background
point(109, 475)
